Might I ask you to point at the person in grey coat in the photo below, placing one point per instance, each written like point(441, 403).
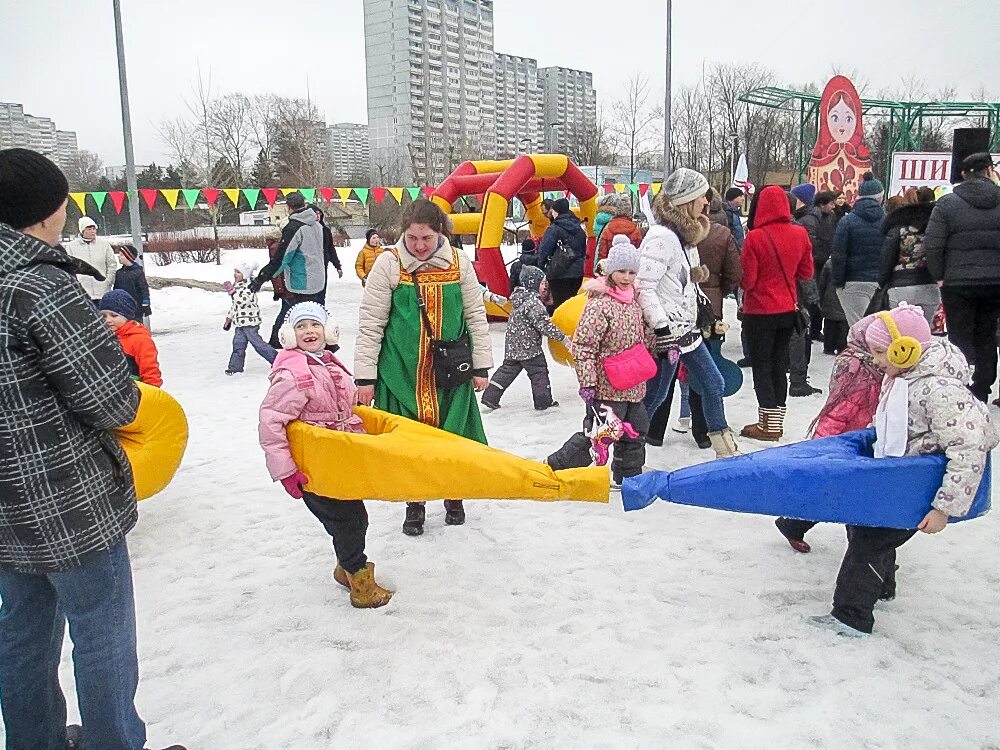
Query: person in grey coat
point(962, 248)
point(528, 323)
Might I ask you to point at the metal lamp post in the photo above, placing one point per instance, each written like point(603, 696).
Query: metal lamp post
point(130, 178)
point(666, 103)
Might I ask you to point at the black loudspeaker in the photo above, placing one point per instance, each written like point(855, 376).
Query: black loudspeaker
point(968, 141)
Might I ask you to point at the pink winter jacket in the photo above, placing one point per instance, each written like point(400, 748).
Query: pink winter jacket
point(855, 385)
point(303, 389)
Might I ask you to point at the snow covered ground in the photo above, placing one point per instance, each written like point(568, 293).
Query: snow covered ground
point(534, 625)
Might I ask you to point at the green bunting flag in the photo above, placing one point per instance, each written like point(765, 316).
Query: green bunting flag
point(191, 196)
point(634, 189)
point(414, 193)
point(362, 194)
point(251, 194)
point(99, 198)
point(309, 194)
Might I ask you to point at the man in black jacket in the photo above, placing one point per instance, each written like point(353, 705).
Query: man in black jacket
point(67, 497)
point(563, 283)
point(962, 247)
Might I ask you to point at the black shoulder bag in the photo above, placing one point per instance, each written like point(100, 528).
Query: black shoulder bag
point(561, 259)
point(801, 325)
point(452, 359)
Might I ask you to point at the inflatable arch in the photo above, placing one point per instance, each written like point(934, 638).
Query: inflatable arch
point(499, 182)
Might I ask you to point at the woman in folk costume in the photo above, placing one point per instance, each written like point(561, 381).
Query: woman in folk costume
point(394, 368)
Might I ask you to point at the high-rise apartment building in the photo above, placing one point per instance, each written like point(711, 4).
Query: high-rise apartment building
point(350, 155)
point(431, 87)
point(18, 130)
point(519, 106)
point(570, 109)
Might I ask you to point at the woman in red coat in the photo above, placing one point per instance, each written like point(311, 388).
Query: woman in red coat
point(776, 255)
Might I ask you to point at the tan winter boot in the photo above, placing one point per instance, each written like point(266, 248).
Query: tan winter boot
point(761, 430)
point(340, 576)
point(365, 593)
point(724, 443)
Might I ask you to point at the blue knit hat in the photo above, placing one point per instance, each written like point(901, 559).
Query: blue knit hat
point(870, 188)
point(806, 192)
point(121, 303)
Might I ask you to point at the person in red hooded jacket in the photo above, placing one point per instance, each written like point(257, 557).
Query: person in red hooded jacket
point(776, 255)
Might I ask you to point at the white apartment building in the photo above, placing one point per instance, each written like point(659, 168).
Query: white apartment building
point(350, 155)
point(519, 106)
point(431, 87)
point(19, 130)
point(570, 108)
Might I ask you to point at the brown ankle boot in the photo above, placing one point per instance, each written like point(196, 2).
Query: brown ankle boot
point(365, 593)
point(340, 576)
point(762, 429)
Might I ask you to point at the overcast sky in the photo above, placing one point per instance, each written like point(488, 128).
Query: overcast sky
point(58, 56)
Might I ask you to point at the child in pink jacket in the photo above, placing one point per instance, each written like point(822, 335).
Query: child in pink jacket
point(855, 385)
point(308, 383)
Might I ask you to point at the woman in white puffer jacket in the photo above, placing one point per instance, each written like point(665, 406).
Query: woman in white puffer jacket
point(669, 274)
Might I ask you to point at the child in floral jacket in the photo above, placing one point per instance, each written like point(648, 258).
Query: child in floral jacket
point(244, 312)
point(612, 323)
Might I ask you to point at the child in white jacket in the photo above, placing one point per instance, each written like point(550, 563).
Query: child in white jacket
point(244, 312)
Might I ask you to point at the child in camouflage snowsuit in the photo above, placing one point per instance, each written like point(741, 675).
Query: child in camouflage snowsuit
point(528, 323)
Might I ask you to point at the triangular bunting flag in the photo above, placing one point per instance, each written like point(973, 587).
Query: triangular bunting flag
point(309, 194)
point(270, 195)
point(378, 194)
point(117, 200)
point(643, 188)
point(428, 191)
point(609, 188)
point(633, 188)
point(191, 196)
point(327, 194)
point(414, 193)
point(99, 198)
point(619, 187)
point(171, 194)
point(362, 194)
point(212, 195)
point(344, 194)
point(251, 194)
point(149, 195)
point(397, 193)
point(656, 187)
point(566, 194)
point(287, 191)
point(80, 199)
point(233, 194)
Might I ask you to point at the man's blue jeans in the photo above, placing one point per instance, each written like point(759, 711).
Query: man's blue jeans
point(96, 599)
point(700, 363)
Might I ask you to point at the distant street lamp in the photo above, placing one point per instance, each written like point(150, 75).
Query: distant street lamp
point(548, 127)
point(666, 103)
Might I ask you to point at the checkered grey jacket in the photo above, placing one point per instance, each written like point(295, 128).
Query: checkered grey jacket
point(66, 487)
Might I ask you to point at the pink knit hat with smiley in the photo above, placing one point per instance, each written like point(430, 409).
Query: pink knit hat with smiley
point(910, 321)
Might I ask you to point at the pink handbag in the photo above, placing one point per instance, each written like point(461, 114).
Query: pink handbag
point(629, 368)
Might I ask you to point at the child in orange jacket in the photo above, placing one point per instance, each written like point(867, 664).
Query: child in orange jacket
point(119, 310)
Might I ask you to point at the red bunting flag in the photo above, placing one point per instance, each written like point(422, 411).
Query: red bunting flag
point(643, 188)
point(270, 195)
point(211, 195)
point(378, 193)
point(327, 194)
point(609, 188)
point(428, 191)
point(117, 200)
point(566, 194)
point(149, 195)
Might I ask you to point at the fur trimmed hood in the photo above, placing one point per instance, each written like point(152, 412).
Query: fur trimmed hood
point(595, 287)
point(691, 231)
point(915, 215)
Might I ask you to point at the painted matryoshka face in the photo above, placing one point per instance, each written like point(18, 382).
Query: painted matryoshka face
point(842, 121)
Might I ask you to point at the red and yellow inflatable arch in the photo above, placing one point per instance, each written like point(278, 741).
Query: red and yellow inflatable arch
point(499, 182)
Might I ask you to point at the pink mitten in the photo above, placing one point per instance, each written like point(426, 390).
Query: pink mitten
point(293, 485)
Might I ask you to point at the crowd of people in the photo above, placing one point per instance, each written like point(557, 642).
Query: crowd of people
point(876, 286)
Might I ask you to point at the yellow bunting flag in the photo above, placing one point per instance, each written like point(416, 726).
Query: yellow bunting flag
point(344, 194)
point(288, 191)
point(396, 193)
point(233, 194)
point(656, 187)
point(80, 199)
point(619, 187)
point(171, 197)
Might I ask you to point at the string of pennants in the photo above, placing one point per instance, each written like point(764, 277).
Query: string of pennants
point(191, 196)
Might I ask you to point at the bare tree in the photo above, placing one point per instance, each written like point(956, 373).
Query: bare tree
point(632, 124)
point(230, 128)
point(184, 147)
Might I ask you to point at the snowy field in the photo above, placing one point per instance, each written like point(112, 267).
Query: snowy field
point(534, 625)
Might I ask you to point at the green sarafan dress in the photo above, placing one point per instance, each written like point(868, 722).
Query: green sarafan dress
point(406, 384)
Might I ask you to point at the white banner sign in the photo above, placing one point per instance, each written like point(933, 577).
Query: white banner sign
point(916, 169)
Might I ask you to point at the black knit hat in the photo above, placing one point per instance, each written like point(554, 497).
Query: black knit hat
point(31, 187)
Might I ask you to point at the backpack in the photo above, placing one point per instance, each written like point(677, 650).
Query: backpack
point(560, 261)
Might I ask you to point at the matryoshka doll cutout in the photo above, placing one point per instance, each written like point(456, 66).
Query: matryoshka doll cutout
point(840, 157)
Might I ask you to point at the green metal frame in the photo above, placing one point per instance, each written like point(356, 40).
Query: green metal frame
point(906, 119)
